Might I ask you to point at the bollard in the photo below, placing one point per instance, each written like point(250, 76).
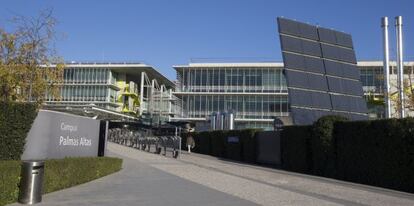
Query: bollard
point(31, 183)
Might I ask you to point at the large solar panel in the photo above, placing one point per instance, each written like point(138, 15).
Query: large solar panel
point(308, 81)
point(321, 72)
point(335, 37)
point(304, 63)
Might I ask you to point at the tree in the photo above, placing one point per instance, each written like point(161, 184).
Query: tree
point(408, 88)
point(29, 67)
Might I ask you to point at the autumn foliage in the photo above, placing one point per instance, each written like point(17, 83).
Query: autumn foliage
point(29, 66)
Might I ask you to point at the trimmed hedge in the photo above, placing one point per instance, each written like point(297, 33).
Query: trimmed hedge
point(248, 141)
point(9, 181)
point(311, 149)
point(59, 174)
point(233, 150)
point(68, 172)
point(202, 140)
point(295, 148)
point(15, 122)
point(322, 145)
point(216, 143)
point(379, 153)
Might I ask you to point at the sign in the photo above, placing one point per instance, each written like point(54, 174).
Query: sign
point(233, 139)
point(56, 135)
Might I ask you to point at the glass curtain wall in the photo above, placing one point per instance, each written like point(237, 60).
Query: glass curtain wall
point(160, 102)
point(246, 125)
point(86, 93)
point(372, 79)
point(86, 75)
point(232, 80)
point(86, 84)
point(246, 107)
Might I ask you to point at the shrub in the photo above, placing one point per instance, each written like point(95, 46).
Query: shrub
point(379, 153)
point(248, 141)
point(218, 141)
point(201, 140)
point(9, 181)
point(184, 141)
point(233, 150)
point(295, 148)
point(15, 122)
point(322, 146)
point(346, 141)
point(68, 172)
point(203, 143)
point(59, 174)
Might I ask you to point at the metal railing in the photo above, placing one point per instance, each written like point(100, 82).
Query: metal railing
point(141, 140)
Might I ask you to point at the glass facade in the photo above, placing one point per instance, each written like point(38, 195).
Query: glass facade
point(258, 93)
point(255, 94)
point(84, 93)
point(245, 106)
point(232, 80)
point(86, 75)
point(372, 78)
point(117, 87)
point(86, 86)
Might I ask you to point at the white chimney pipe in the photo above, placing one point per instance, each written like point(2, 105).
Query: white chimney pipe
point(398, 27)
point(384, 25)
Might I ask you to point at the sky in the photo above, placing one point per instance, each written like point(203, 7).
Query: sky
point(163, 33)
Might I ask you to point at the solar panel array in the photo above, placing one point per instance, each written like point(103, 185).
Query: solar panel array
point(321, 73)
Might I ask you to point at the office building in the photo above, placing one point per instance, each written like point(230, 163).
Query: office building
point(257, 92)
point(372, 78)
point(116, 91)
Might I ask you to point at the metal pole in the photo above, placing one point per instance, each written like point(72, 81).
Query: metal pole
point(179, 149)
point(384, 25)
point(151, 102)
point(231, 120)
point(398, 27)
point(141, 93)
point(106, 136)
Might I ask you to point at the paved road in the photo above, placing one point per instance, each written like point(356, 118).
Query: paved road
point(149, 179)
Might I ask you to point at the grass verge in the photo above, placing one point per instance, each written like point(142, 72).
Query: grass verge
point(59, 174)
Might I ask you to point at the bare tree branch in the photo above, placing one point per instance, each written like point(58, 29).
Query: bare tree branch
point(23, 56)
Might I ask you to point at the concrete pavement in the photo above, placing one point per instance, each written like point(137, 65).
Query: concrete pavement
point(149, 179)
point(140, 184)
